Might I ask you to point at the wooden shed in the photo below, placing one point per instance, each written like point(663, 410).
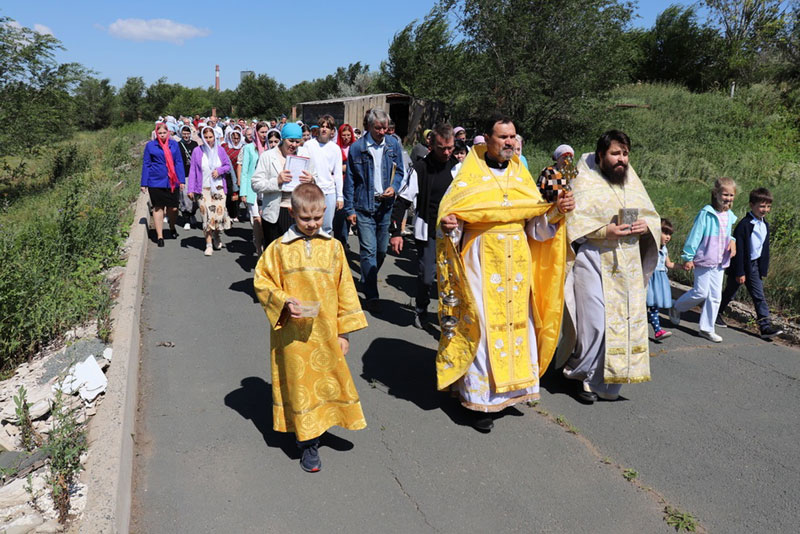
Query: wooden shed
point(409, 114)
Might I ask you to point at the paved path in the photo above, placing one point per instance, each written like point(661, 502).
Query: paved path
point(715, 434)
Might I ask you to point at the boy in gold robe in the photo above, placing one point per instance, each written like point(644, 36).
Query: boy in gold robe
point(307, 291)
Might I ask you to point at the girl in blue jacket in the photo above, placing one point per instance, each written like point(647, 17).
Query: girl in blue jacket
point(708, 250)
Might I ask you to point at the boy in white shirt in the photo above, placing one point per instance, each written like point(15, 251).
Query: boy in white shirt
point(327, 158)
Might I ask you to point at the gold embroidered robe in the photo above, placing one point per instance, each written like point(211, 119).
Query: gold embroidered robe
point(312, 388)
point(519, 274)
point(626, 266)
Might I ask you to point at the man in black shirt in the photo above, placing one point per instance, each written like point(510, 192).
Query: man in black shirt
point(425, 187)
point(187, 145)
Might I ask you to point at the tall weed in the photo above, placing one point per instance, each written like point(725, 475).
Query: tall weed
point(55, 245)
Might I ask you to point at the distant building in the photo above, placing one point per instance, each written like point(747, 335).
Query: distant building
point(410, 115)
point(245, 73)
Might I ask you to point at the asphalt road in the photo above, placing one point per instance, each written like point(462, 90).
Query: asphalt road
point(714, 434)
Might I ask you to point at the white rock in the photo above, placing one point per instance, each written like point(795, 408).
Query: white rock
point(13, 493)
point(40, 409)
point(24, 524)
point(7, 442)
point(87, 378)
point(11, 430)
point(49, 527)
point(107, 353)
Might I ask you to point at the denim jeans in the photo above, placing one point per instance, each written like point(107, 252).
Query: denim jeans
point(373, 240)
point(341, 228)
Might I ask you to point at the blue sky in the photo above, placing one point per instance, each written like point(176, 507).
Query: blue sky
point(282, 39)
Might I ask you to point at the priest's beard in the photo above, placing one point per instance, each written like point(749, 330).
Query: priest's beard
point(616, 175)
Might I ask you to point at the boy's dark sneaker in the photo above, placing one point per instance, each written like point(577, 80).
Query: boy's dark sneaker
point(309, 459)
point(769, 331)
point(720, 322)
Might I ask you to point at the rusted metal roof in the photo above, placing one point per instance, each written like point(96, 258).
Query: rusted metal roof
point(353, 98)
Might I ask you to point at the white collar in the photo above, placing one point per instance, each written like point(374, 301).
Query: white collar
point(293, 234)
point(372, 142)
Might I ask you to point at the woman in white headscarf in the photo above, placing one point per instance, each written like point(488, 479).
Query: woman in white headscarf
point(233, 145)
point(209, 164)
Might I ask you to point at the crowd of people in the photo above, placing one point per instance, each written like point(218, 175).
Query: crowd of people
point(570, 265)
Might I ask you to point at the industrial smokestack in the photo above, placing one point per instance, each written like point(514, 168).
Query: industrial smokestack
point(216, 78)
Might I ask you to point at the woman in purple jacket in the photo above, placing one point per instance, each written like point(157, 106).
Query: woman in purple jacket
point(207, 181)
point(163, 179)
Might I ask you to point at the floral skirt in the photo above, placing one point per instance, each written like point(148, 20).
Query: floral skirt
point(213, 211)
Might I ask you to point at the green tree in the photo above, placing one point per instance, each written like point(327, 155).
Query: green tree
point(157, 98)
point(544, 63)
point(190, 101)
point(94, 103)
point(259, 96)
point(34, 89)
point(425, 61)
point(678, 49)
point(752, 30)
point(131, 99)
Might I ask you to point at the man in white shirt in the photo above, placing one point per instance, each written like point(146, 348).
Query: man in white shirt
point(327, 159)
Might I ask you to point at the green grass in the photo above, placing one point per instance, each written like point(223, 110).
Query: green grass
point(686, 140)
point(59, 230)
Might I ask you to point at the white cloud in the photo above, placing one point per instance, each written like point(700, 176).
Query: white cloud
point(42, 29)
point(155, 30)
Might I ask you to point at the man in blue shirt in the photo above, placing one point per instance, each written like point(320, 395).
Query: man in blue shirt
point(374, 174)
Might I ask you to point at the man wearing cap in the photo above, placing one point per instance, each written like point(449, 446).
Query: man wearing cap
point(374, 173)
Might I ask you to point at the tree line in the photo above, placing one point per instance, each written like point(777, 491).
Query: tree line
point(547, 63)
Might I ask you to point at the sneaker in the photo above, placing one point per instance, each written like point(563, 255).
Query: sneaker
point(769, 331)
point(187, 226)
point(674, 316)
point(309, 459)
point(720, 322)
point(711, 336)
point(217, 244)
point(662, 334)
point(209, 251)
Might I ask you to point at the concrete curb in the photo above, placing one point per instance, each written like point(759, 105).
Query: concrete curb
point(109, 468)
point(746, 314)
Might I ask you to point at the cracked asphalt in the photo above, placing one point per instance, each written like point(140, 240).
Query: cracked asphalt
point(714, 434)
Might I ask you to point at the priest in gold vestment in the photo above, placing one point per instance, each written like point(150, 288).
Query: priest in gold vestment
point(312, 388)
point(501, 254)
point(607, 285)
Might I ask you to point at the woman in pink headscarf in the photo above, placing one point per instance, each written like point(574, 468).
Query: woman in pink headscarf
point(248, 158)
point(163, 179)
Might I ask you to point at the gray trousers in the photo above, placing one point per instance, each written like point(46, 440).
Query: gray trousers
point(588, 360)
